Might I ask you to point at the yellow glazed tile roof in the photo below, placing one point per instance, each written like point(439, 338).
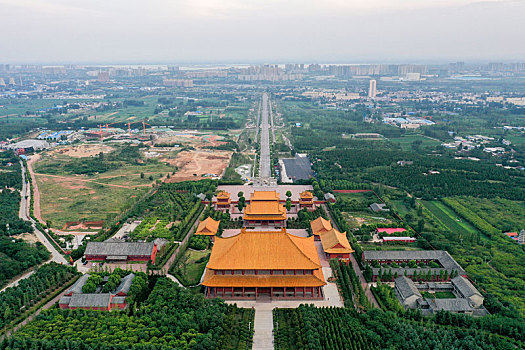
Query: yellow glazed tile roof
point(306, 194)
point(208, 227)
point(335, 242)
point(320, 225)
point(264, 196)
point(315, 280)
point(264, 251)
point(223, 195)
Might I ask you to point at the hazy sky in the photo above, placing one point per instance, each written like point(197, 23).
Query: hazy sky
point(182, 31)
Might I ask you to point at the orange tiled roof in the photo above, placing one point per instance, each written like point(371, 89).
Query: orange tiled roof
point(320, 225)
point(306, 194)
point(208, 227)
point(223, 194)
point(265, 208)
point(264, 251)
point(335, 242)
point(315, 280)
point(264, 196)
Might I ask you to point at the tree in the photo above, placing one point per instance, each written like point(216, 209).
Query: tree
point(288, 204)
point(141, 175)
point(288, 193)
point(89, 287)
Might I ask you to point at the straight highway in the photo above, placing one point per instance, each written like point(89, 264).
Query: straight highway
point(265, 160)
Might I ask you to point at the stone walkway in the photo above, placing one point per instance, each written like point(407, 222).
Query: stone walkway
point(263, 329)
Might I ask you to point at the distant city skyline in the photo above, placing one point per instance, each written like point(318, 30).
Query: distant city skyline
point(239, 31)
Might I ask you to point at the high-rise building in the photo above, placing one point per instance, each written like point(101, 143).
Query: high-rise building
point(103, 77)
point(372, 89)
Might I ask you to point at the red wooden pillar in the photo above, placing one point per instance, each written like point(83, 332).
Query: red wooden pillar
point(243, 292)
point(284, 292)
point(295, 292)
point(271, 292)
point(256, 292)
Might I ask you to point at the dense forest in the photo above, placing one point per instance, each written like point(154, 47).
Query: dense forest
point(16, 255)
point(17, 300)
point(429, 177)
point(311, 328)
point(170, 318)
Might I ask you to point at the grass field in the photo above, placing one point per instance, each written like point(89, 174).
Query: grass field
point(192, 275)
point(400, 207)
point(62, 201)
point(448, 218)
point(71, 197)
point(406, 141)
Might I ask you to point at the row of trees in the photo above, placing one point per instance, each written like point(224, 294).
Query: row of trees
point(170, 318)
point(17, 300)
point(349, 285)
point(313, 328)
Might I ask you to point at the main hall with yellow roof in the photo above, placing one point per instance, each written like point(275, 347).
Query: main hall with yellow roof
point(264, 263)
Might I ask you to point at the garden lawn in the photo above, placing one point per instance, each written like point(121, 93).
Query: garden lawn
point(194, 270)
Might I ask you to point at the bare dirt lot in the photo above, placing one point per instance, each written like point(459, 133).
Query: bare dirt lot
point(193, 164)
point(193, 138)
point(80, 151)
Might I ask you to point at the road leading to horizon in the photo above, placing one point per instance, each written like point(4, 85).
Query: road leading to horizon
point(265, 161)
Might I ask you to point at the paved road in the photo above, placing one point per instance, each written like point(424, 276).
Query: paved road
point(265, 161)
point(271, 123)
point(24, 214)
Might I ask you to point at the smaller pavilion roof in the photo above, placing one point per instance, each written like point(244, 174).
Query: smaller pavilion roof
point(223, 194)
point(320, 225)
point(335, 242)
point(208, 227)
point(306, 194)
